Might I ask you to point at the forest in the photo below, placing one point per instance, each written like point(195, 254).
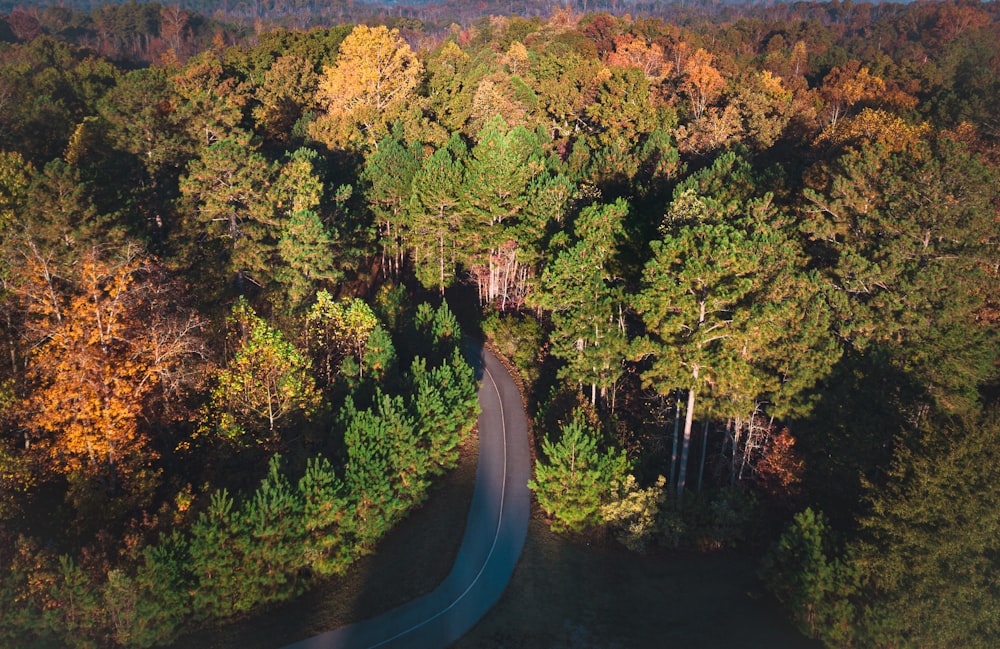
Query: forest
point(744, 259)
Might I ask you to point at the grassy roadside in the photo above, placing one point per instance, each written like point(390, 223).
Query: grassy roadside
point(571, 593)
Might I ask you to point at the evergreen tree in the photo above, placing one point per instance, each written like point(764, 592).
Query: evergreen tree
point(576, 477)
point(216, 567)
point(326, 519)
point(435, 215)
point(225, 189)
point(581, 290)
point(804, 573)
point(929, 547)
point(389, 171)
point(386, 468)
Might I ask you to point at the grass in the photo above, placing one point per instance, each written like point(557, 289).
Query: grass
point(568, 592)
point(577, 592)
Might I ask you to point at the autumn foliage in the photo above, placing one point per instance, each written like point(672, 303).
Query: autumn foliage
point(703, 224)
point(105, 352)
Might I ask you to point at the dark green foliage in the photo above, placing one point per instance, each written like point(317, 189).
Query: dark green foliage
point(215, 562)
point(892, 231)
point(929, 550)
point(274, 520)
point(380, 362)
point(326, 519)
point(853, 300)
point(392, 305)
point(388, 173)
point(586, 302)
point(805, 574)
point(49, 88)
point(386, 467)
point(437, 332)
point(434, 215)
point(444, 406)
point(160, 593)
point(75, 612)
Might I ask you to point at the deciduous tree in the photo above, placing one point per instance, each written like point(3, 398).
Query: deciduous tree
point(370, 87)
point(266, 382)
point(105, 348)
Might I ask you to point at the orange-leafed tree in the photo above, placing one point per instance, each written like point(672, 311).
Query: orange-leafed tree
point(106, 345)
point(632, 52)
point(875, 126)
point(844, 87)
point(369, 88)
point(780, 469)
point(702, 82)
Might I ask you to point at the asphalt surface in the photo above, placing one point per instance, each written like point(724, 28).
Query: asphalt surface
point(494, 535)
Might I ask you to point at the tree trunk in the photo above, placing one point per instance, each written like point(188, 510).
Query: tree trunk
point(737, 431)
point(677, 431)
point(685, 446)
point(441, 263)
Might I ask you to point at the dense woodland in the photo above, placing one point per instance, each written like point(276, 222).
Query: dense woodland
point(745, 261)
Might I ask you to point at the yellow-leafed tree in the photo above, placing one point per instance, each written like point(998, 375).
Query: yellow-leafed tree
point(368, 89)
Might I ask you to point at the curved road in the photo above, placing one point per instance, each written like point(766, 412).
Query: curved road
point(494, 535)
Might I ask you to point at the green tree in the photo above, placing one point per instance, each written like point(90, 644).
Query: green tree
point(75, 613)
point(389, 171)
point(284, 95)
point(327, 521)
point(696, 304)
point(804, 573)
point(928, 547)
point(338, 330)
point(387, 465)
point(225, 189)
point(209, 103)
point(266, 382)
point(445, 404)
point(272, 540)
point(511, 194)
point(454, 76)
point(162, 584)
point(305, 248)
point(587, 303)
point(306, 245)
point(907, 240)
point(575, 478)
point(435, 215)
point(215, 565)
point(438, 330)
point(380, 362)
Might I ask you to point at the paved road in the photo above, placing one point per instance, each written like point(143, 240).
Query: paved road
point(494, 535)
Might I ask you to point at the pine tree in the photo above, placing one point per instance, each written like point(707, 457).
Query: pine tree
point(575, 478)
point(804, 573)
point(326, 519)
point(389, 172)
point(435, 215)
point(580, 289)
point(928, 549)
